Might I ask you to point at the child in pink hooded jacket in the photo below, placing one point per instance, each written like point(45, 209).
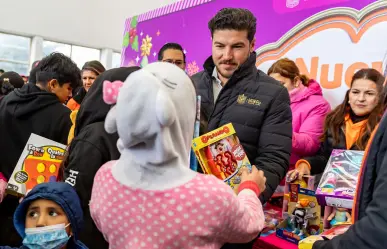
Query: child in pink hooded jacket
point(308, 105)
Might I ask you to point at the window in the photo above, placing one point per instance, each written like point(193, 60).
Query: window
point(116, 60)
point(14, 53)
point(80, 55)
point(51, 47)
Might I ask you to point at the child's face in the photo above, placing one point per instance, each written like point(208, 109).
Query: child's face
point(43, 213)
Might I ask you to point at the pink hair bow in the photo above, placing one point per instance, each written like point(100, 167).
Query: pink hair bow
point(110, 91)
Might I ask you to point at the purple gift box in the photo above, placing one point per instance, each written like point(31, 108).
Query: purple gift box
point(338, 183)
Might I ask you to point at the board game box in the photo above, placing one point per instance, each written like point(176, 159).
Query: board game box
point(39, 162)
point(220, 153)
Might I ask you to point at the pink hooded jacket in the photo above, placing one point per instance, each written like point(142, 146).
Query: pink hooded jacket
point(309, 109)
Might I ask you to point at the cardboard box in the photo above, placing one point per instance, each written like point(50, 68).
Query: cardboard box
point(39, 162)
point(313, 215)
point(330, 234)
point(307, 182)
point(338, 183)
point(220, 153)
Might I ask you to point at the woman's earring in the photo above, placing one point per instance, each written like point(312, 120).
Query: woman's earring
point(349, 102)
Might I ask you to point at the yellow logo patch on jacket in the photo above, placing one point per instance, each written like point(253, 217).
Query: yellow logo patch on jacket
point(243, 99)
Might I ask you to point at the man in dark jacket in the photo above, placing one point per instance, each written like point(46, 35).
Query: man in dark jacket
point(370, 216)
point(34, 108)
point(91, 148)
point(233, 90)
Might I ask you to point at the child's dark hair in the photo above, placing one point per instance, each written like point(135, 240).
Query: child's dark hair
point(60, 67)
point(9, 81)
point(234, 19)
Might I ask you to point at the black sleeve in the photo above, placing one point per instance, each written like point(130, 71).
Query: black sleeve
point(275, 143)
point(320, 160)
point(370, 231)
point(84, 160)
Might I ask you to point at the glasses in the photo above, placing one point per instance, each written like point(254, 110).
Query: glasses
point(176, 62)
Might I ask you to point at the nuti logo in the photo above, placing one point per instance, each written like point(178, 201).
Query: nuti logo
point(206, 138)
point(242, 99)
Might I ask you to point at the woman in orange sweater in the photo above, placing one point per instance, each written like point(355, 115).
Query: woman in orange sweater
point(349, 125)
point(90, 71)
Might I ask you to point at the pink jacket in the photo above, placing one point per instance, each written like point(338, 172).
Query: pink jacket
point(309, 109)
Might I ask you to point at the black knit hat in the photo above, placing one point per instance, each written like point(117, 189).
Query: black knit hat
point(94, 66)
point(9, 81)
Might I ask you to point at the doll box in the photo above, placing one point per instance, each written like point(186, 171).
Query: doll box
point(285, 230)
point(338, 183)
point(39, 162)
point(220, 153)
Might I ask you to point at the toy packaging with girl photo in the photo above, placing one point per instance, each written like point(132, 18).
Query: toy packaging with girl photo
point(304, 215)
point(39, 162)
point(338, 183)
point(220, 153)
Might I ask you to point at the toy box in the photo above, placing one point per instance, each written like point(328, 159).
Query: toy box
point(220, 153)
point(329, 234)
point(307, 182)
point(338, 183)
point(39, 162)
point(336, 216)
point(304, 215)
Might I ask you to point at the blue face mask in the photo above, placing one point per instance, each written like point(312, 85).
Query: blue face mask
point(49, 237)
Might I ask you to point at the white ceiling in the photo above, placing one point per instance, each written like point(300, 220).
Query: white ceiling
point(91, 23)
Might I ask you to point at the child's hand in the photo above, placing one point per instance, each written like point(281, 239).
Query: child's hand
point(256, 176)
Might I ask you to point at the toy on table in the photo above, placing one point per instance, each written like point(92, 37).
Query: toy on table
point(338, 182)
point(303, 215)
point(299, 217)
point(308, 242)
point(39, 162)
point(220, 153)
point(339, 216)
point(291, 191)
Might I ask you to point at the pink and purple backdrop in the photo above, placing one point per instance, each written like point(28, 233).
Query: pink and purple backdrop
point(185, 22)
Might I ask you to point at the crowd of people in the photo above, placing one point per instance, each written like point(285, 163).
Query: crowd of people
point(125, 181)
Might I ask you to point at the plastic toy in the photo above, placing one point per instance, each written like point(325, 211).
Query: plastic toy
point(339, 216)
point(303, 216)
point(308, 242)
point(338, 183)
point(220, 153)
point(39, 162)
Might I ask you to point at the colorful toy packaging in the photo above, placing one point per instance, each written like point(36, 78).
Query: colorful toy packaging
point(304, 215)
point(338, 183)
point(307, 182)
point(330, 234)
point(39, 162)
point(220, 153)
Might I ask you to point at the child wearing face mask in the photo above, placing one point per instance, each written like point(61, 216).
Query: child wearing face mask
point(49, 217)
point(150, 198)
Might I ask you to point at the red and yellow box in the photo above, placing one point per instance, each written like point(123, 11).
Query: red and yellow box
point(220, 153)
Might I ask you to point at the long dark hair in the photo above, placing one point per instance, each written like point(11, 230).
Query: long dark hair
point(335, 119)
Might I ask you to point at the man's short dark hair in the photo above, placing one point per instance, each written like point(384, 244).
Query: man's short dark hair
point(2, 71)
point(170, 45)
point(234, 19)
point(60, 67)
